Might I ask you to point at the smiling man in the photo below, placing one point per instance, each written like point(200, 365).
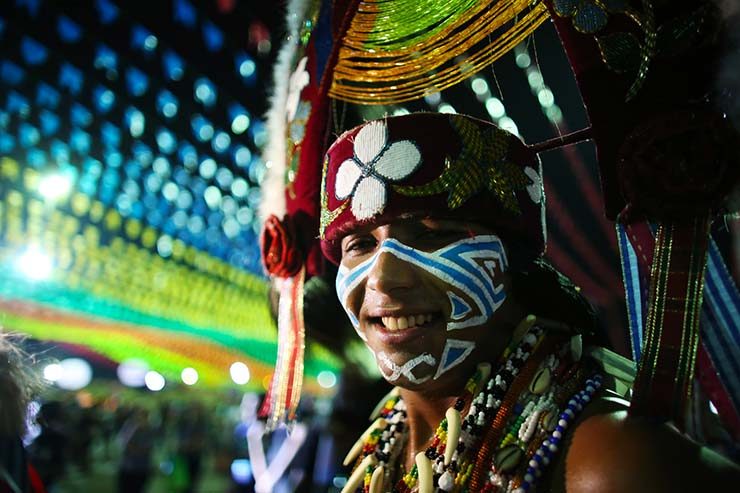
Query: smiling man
point(437, 225)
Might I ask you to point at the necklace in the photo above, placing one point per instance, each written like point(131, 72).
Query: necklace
point(507, 437)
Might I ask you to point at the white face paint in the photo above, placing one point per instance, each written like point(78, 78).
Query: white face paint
point(392, 372)
point(467, 266)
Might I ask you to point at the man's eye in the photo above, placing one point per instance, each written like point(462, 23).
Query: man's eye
point(359, 245)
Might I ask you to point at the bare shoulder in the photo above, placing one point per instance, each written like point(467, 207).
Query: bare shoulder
point(612, 452)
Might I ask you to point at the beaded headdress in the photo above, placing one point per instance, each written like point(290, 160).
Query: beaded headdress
point(667, 157)
point(444, 165)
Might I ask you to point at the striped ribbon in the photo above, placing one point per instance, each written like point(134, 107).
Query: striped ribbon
point(718, 365)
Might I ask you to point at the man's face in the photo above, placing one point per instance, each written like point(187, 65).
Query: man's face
point(428, 296)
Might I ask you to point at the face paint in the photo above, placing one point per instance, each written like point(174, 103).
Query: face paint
point(394, 371)
point(454, 353)
point(468, 265)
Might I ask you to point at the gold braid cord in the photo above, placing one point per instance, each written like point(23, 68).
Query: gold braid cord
point(400, 50)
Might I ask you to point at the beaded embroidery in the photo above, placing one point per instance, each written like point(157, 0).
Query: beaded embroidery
point(482, 164)
point(528, 404)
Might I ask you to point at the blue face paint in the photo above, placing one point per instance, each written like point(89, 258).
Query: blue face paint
point(467, 265)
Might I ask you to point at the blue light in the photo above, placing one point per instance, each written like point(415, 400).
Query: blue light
point(137, 81)
point(221, 142)
point(31, 5)
point(17, 103)
point(110, 134)
point(36, 158)
point(212, 37)
point(80, 116)
point(202, 128)
point(184, 13)
point(143, 39)
point(7, 143)
point(167, 104)
point(205, 92)
point(79, 141)
point(113, 158)
point(239, 117)
point(107, 11)
point(103, 99)
point(33, 52)
point(173, 65)
point(49, 123)
point(142, 153)
point(68, 30)
point(166, 141)
point(242, 156)
point(70, 78)
point(188, 155)
point(60, 153)
point(134, 121)
point(10, 73)
point(28, 135)
point(245, 65)
point(106, 59)
point(47, 96)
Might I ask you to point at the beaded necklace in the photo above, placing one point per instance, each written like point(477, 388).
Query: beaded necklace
point(506, 439)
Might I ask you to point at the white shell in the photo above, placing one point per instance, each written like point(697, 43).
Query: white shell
point(446, 481)
point(507, 458)
point(541, 381)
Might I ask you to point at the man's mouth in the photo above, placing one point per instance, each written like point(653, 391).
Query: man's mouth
point(405, 322)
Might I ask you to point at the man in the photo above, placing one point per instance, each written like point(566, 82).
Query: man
point(437, 224)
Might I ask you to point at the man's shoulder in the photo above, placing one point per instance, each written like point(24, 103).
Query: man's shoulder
point(611, 451)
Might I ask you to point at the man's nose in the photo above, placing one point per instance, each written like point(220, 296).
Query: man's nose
point(390, 273)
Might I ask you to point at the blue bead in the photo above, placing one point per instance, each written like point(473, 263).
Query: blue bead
point(559, 428)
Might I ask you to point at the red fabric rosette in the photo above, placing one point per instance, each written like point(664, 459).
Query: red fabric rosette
point(281, 251)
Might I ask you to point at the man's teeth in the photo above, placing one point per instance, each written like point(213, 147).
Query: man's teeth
point(401, 323)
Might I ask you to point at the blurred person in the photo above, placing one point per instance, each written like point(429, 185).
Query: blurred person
point(192, 433)
point(17, 386)
point(137, 438)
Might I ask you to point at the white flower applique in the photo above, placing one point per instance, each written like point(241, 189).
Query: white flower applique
point(365, 176)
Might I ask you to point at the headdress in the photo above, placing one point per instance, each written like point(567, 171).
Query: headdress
point(439, 164)
point(667, 154)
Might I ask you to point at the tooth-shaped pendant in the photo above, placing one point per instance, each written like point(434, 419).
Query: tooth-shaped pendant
point(521, 330)
point(358, 475)
point(485, 372)
point(357, 447)
point(376, 481)
point(426, 476)
point(453, 433)
point(379, 406)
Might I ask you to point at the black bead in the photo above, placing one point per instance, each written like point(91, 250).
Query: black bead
point(431, 453)
point(459, 404)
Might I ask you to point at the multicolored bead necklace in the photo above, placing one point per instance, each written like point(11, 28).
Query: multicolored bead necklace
point(508, 436)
